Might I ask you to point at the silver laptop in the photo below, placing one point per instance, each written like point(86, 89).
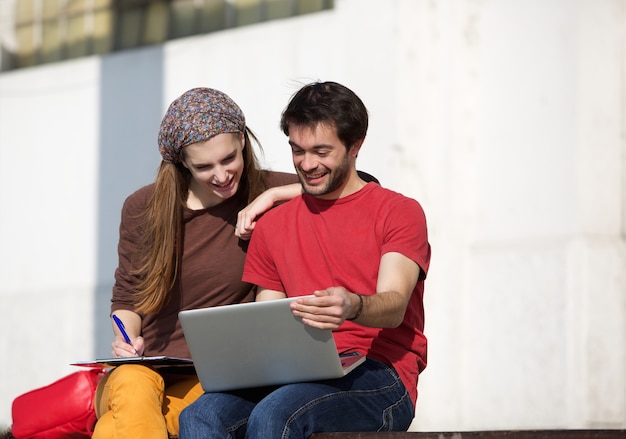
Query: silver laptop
point(259, 344)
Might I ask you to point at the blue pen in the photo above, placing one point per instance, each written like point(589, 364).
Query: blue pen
point(121, 327)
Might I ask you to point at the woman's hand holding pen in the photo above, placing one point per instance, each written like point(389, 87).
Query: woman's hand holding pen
point(125, 345)
point(123, 349)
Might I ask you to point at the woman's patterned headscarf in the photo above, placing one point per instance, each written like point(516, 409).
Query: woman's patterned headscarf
point(197, 115)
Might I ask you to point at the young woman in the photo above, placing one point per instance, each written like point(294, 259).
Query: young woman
point(182, 246)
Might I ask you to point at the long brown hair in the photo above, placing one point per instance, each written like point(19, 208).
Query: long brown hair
point(160, 246)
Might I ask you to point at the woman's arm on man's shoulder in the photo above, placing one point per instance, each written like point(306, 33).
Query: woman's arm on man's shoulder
point(246, 218)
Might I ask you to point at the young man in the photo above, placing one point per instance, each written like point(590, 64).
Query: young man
point(362, 251)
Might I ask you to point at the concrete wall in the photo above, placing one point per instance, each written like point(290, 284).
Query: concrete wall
point(505, 118)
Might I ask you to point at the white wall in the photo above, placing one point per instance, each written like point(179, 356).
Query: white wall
point(505, 119)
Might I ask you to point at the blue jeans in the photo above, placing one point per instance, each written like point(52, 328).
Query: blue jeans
point(370, 398)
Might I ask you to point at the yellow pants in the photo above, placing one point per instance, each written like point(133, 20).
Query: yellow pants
point(135, 401)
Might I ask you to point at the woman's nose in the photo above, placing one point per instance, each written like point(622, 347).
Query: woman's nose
point(220, 175)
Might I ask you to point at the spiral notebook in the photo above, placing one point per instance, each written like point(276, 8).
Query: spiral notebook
point(149, 361)
point(260, 344)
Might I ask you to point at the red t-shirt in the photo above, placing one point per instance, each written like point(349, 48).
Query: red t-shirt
point(310, 244)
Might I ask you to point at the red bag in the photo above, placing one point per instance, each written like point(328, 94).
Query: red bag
point(63, 409)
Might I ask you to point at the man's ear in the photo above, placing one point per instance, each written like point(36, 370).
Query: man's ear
point(356, 147)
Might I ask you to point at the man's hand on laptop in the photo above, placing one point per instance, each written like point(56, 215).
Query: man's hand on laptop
point(326, 309)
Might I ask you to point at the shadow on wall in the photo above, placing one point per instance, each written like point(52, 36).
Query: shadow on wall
point(131, 99)
point(6, 64)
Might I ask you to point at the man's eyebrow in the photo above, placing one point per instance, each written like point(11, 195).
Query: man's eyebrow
point(320, 146)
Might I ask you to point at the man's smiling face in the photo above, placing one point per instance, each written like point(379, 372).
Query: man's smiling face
point(321, 161)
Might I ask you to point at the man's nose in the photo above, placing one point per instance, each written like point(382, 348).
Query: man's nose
point(309, 162)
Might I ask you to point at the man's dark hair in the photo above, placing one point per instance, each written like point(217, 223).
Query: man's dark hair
point(327, 103)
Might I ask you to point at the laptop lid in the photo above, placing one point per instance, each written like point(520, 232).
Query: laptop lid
point(259, 344)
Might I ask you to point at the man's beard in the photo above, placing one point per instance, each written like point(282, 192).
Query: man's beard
point(336, 178)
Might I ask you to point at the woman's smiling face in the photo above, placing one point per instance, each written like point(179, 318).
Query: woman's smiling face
point(216, 166)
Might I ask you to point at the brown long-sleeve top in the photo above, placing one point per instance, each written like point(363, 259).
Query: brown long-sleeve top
point(210, 272)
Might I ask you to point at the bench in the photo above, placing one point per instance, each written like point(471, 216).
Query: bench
point(492, 434)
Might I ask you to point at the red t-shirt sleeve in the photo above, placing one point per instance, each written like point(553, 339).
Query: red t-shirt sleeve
point(260, 268)
point(406, 233)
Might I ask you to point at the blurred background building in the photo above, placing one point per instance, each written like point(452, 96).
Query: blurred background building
point(506, 119)
point(45, 31)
